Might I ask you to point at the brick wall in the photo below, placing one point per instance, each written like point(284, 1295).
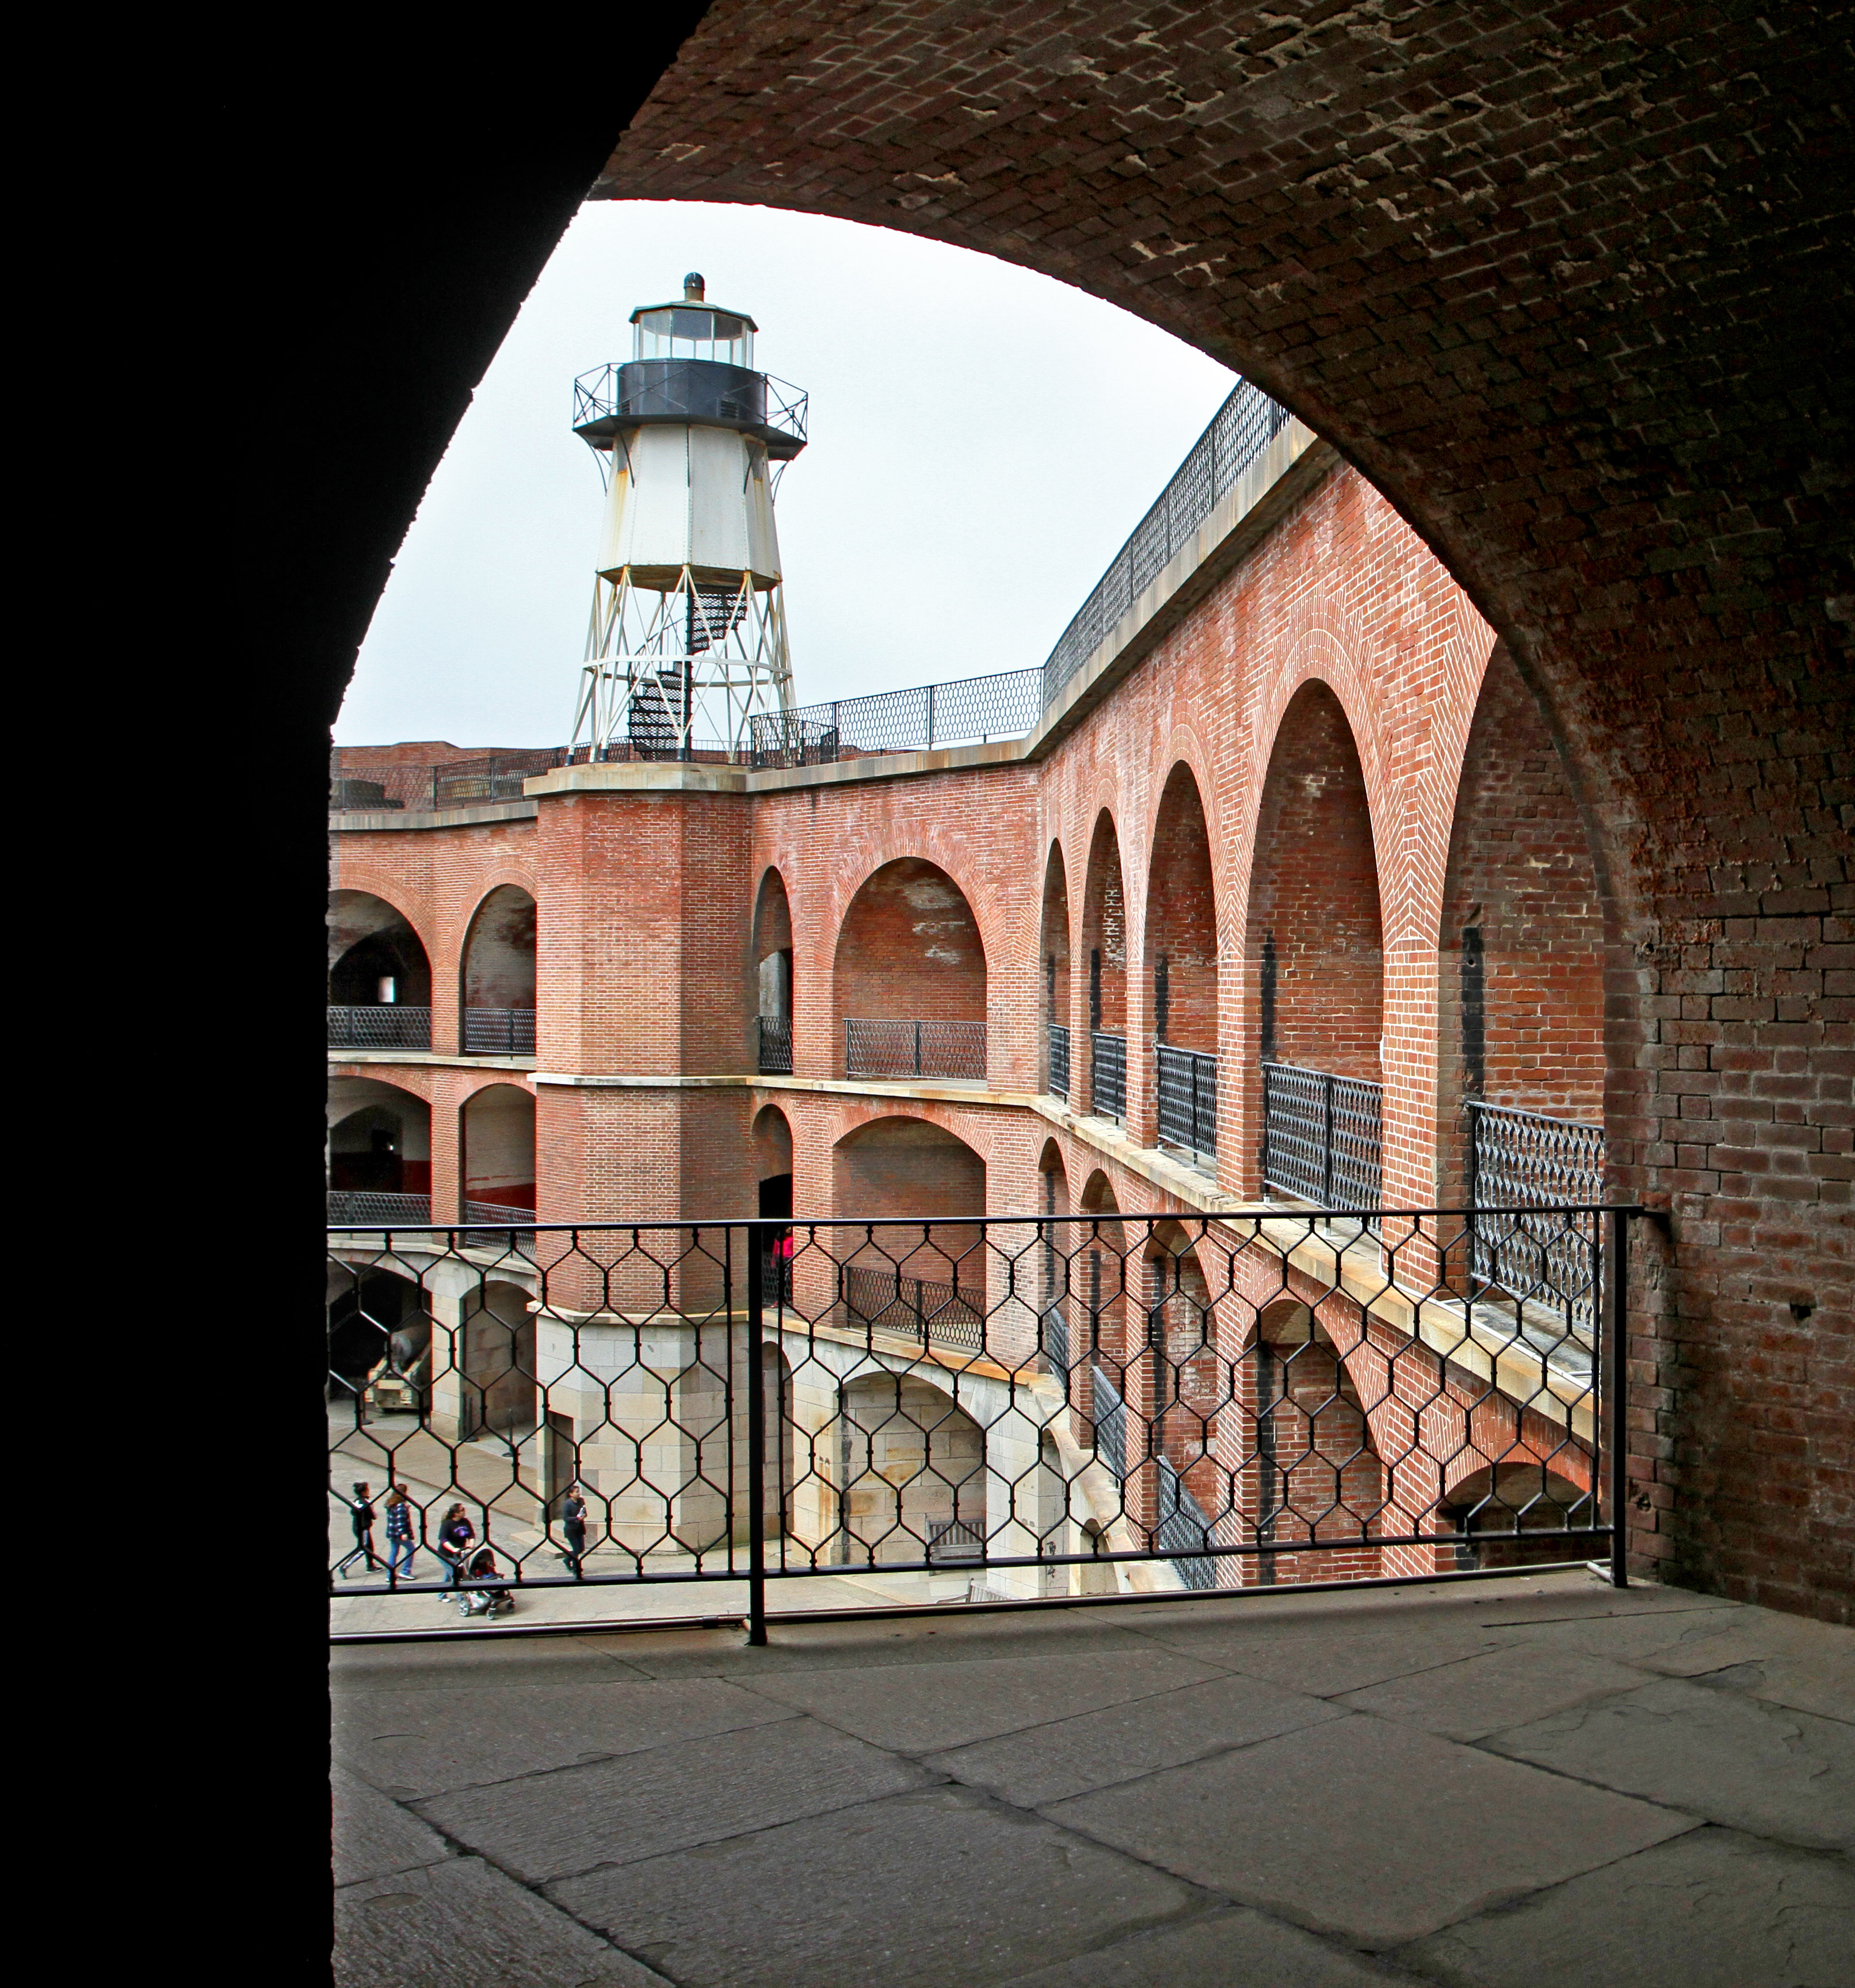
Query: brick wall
point(1181, 918)
point(910, 949)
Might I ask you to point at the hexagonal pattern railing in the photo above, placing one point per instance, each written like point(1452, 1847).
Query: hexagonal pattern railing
point(1073, 1404)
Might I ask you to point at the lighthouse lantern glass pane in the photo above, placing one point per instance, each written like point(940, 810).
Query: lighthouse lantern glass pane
point(681, 332)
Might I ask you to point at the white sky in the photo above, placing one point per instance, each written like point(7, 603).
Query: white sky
point(982, 439)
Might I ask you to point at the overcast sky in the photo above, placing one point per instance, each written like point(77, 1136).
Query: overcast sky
point(982, 439)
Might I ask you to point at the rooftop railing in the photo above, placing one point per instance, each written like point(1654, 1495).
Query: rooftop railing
point(968, 711)
point(360, 782)
point(897, 1379)
point(1240, 431)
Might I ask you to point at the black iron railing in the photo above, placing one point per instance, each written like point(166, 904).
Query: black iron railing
point(969, 711)
point(775, 1046)
point(905, 1049)
point(1188, 1098)
point(1322, 1136)
point(393, 1025)
point(1059, 1060)
point(359, 780)
point(499, 1032)
point(751, 1400)
point(1107, 1075)
point(1520, 1160)
point(1240, 431)
point(378, 1209)
point(644, 391)
point(931, 1309)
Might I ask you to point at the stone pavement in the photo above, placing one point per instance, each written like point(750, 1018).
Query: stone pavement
point(1531, 1780)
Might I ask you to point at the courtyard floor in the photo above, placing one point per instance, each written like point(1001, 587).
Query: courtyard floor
point(1530, 1780)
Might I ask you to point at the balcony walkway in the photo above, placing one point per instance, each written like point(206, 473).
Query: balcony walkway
point(1508, 1782)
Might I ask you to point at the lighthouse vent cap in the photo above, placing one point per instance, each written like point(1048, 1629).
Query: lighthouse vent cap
point(693, 287)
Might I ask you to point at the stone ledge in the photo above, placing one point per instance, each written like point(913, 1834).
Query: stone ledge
point(430, 1060)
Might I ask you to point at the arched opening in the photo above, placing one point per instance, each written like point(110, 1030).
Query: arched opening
point(379, 1152)
point(1315, 957)
point(498, 976)
point(1186, 1390)
point(498, 1127)
point(773, 1165)
point(1053, 1201)
point(379, 1344)
point(499, 1391)
point(1104, 962)
point(910, 978)
point(1316, 1486)
point(1053, 950)
point(1181, 957)
point(773, 977)
point(1499, 1506)
point(1521, 1049)
point(1098, 1306)
point(912, 1464)
point(926, 1279)
point(380, 976)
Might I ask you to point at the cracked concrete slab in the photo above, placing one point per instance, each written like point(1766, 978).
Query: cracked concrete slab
point(1712, 1909)
point(374, 1836)
point(548, 1825)
point(940, 1705)
point(1234, 1948)
point(944, 1888)
point(1787, 1659)
point(417, 1744)
point(1335, 1658)
point(1477, 1695)
point(464, 1926)
point(1714, 1753)
point(1424, 1832)
point(1068, 1756)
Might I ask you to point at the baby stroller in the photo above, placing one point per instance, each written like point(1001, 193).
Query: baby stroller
point(479, 1597)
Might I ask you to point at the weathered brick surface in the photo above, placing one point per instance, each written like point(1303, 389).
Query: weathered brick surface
point(1564, 280)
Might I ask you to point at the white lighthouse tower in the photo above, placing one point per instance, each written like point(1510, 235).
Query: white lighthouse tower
point(687, 643)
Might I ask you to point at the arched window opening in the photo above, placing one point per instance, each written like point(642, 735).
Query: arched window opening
point(1520, 1062)
point(1185, 1391)
point(379, 1351)
point(498, 975)
point(380, 978)
point(910, 978)
point(773, 1162)
point(924, 1280)
point(499, 1391)
point(1316, 957)
point(913, 1469)
point(379, 1153)
point(1104, 961)
point(773, 977)
point(1053, 954)
point(1505, 1506)
point(1181, 956)
point(1315, 1487)
point(499, 1155)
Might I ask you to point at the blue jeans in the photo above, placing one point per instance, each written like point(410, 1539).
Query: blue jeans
point(395, 1550)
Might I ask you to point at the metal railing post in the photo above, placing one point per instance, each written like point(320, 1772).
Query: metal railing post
point(756, 1445)
point(1615, 1370)
point(1326, 1142)
point(917, 1049)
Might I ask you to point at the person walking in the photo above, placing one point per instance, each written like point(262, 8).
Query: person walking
point(573, 1523)
point(361, 1516)
point(400, 1545)
point(453, 1538)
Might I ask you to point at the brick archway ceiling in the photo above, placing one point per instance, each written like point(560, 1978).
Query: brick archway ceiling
point(1559, 280)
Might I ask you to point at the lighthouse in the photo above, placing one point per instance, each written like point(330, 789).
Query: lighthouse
point(686, 644)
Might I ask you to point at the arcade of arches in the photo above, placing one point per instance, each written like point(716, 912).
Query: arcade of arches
point(1594, 869)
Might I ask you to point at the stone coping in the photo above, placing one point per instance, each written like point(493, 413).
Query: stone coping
point(430, 1060)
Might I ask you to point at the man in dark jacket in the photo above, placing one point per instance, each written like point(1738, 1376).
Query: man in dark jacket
point(572, 1524)
point(360, 1514)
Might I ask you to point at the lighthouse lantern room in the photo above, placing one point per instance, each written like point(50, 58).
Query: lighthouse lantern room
point(687, 641)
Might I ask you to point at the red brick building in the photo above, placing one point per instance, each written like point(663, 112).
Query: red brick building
point(1292, 823)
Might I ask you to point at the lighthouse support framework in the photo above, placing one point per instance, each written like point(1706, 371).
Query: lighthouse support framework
point(669, 671)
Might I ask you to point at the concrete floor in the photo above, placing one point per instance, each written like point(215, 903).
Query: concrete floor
point(1529, 1780)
